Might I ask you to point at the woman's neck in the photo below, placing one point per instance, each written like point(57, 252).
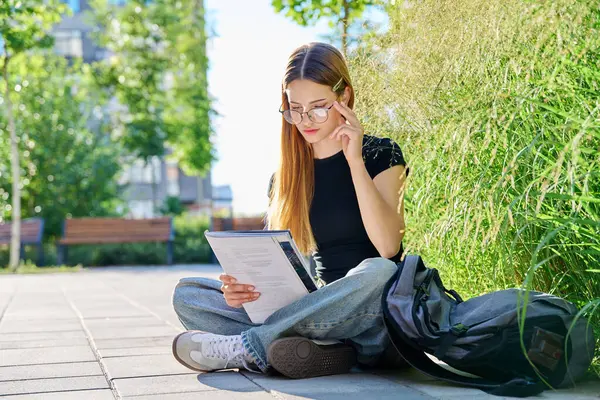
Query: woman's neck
point(326, 148)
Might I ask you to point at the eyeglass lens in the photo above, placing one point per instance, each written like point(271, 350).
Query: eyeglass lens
point(317, 115)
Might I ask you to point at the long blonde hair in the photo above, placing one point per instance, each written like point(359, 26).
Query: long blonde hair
point(292, 188)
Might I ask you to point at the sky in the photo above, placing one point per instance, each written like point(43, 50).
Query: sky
point(247, 60)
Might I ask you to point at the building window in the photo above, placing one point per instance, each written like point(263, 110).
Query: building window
point(68, 43)
point(172, 179)
point(141, 172)
point(141, 209)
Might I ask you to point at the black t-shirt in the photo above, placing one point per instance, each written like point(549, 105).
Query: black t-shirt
point(335, 218)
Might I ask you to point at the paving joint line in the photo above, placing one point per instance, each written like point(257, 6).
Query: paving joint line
point(137, 355)
point(50, 377)
point(137, 337)
point(34, 333)
point(10, 299)
point(57, 391)
point(160, 394)
point(42, 331)
point(408, 385)
point(42, 347)
point(269, 391)
point(154, 376)
point(92, 344)
point(50, 363)
point(142, 307)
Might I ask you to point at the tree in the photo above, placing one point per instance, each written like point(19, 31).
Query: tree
point(24, 25)
point(157, 72)
point(342, 13)
point(68, 169)
point(172, 206)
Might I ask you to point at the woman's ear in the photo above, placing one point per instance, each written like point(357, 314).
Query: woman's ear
point(346, 95)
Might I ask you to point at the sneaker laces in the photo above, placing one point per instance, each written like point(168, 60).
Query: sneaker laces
point(231, 349)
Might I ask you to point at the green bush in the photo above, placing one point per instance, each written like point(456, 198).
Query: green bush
point(496, 106)
point(190, 247)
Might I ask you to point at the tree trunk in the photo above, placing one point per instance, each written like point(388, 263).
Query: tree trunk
point(345, 27)
point(15, 241)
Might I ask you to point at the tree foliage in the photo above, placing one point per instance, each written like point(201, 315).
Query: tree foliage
point(157, 73)
point(342, 13)
point(67, 168)
point(24, 25)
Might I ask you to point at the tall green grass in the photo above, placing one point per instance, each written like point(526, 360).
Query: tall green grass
point(496, 106)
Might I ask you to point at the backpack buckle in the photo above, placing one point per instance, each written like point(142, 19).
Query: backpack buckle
point(448, 339)
point(458, 329)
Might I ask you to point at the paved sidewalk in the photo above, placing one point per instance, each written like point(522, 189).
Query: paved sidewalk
point(106, 334)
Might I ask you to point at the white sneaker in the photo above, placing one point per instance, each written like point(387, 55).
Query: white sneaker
point(201, 351)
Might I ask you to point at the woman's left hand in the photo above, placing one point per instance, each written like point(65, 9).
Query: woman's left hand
point(350, 132)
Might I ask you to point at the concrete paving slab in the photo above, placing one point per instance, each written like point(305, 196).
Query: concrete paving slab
point(86, 305)
point(129, 315)
point(582, 391)
point(94, 394)
point(135, 351)
point(134, 332)
point(34, 301)
point(447, 391)
point(209, 395)
point(46, 355)
point(119, 343)
point(137, 366)
point(113, 312)
point(403, 376)
point(42, 312)
point(227, 380)
point(39, 326)
point(123, 322)
point(5, 299)
point(59, 370)
point(53, 385)
point(29, 294)
point(17, 317)
point(352, 385)
point(29, 344)
point(439, 389)
point(41, 336)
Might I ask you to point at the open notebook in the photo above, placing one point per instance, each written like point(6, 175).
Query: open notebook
point(268, 260)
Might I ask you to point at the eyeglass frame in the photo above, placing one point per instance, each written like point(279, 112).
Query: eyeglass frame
point(306, 112)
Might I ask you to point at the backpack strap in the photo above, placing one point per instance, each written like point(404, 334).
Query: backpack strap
point(416, 357)
point(407, 270)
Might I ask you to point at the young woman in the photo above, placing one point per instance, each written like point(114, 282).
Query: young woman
point(340, 193)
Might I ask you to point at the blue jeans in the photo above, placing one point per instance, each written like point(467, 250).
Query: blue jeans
point(347, 309)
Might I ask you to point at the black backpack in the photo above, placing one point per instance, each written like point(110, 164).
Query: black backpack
point(481, 336)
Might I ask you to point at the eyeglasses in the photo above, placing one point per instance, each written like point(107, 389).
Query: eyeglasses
point(317, 115)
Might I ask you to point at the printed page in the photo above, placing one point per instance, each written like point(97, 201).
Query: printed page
point(261, 262)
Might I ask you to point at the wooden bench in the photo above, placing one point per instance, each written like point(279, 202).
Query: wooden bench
point(116, 230)
point(32, 231)
point(237, 224)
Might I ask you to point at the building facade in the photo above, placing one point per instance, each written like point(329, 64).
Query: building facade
point(147, 186)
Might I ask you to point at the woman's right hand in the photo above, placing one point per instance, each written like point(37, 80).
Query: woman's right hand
point(235, 293)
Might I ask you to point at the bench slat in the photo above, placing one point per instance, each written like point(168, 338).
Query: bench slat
point(117, 239)
point(115, 230)
point(30, 231)
point(238, 224)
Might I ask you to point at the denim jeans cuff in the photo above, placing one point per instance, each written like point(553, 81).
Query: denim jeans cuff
point(261, 362)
